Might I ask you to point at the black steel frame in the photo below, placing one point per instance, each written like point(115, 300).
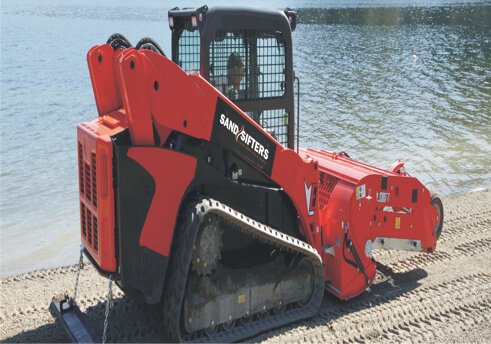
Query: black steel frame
point(273, 107)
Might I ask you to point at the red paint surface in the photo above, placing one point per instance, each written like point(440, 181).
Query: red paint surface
point(172, 173)
point(95, 138)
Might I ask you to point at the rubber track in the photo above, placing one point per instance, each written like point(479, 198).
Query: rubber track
point(179, 267)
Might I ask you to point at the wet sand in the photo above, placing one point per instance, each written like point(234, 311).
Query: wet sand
point(441, 297)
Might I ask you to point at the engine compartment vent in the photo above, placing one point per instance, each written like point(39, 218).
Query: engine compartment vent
point(88, 197)
point(327, 184)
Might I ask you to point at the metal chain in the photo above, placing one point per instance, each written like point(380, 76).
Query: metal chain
point(108, 305)
point(79, 267)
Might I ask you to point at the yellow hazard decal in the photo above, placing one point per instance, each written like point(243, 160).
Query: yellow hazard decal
point(241, 298)
point(398, 222)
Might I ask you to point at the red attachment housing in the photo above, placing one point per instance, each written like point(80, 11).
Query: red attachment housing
point(370, 207)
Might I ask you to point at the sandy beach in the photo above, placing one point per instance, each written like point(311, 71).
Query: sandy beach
point(440, 297)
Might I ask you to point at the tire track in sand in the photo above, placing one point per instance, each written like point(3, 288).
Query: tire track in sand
point(416, 312)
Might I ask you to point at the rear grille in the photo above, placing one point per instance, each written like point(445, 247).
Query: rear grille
point(88, 198)
point(96, 233)
point(82, 219)
point(94, 181)
point(81, 167)
point(88, 193)
point(327, 184)
point(96, 195)
point(89, 227)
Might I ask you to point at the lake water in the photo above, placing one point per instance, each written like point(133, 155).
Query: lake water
point(382, 82)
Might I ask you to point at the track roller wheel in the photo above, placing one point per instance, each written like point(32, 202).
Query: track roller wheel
point(211, 330)
point(436, 202)
point(245, 320)
point(279, 309)
point(229, 325)
point(262, 314)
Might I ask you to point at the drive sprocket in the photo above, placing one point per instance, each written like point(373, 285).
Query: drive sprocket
point(207, 247)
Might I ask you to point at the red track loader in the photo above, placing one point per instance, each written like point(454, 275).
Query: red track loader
point(195, 195)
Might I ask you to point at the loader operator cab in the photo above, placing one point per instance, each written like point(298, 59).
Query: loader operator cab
point(247, 55)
